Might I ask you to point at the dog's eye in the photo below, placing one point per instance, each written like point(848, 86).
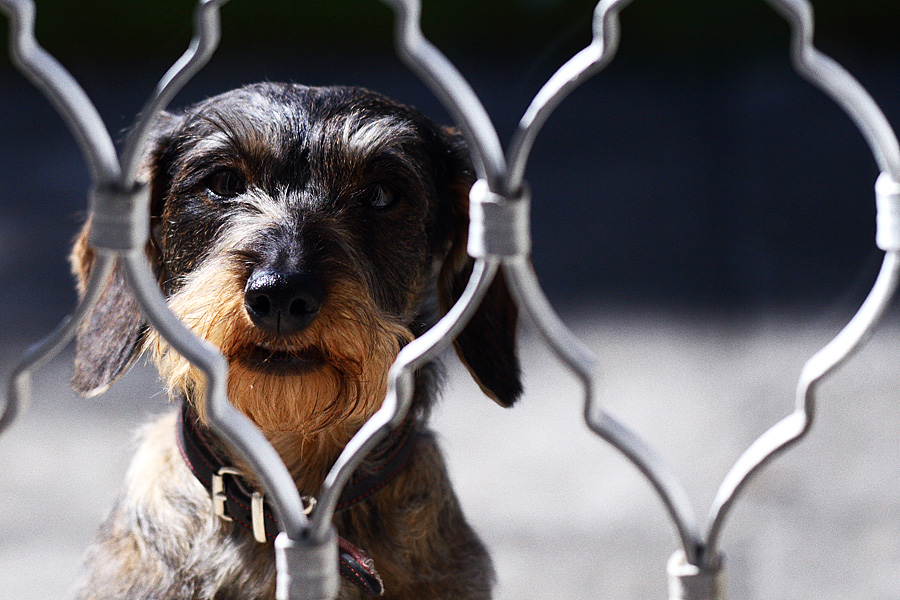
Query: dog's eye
point(226, 183)
point(379, 196)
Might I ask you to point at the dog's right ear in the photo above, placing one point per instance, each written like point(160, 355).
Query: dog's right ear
point(487, 345)
point(111, 335)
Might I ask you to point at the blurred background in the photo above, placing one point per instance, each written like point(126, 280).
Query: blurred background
point(702, 217)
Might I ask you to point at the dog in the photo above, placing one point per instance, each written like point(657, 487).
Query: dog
point(309, 233)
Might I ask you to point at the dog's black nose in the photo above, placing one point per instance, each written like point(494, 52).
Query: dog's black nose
point(282, 301)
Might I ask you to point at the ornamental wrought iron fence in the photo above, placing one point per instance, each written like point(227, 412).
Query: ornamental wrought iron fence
point(499, 241)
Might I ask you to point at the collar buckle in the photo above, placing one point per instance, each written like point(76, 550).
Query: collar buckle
point(309, 503)
point(218, 491)
point(257, 503)
point(258, 517)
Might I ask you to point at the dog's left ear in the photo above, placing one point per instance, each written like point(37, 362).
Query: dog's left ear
point(487, 345)
point(112, 334)
point(110, 337)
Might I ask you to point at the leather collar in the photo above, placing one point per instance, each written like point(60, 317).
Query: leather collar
point(234, 500)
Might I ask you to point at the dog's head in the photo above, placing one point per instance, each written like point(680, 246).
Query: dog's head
point(303, 231)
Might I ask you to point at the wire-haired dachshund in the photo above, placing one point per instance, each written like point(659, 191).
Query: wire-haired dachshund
point(309, 233)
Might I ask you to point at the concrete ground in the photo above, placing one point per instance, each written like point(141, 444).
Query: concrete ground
point(564, 515)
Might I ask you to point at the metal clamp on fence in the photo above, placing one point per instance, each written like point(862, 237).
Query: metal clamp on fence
point(887, 198)
point(498, 226)
point(120, 218)
point(307, 569)
point(689, 581)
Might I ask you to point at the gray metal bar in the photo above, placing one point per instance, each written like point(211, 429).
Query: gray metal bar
point(19, 388)
point(846, 91)
point(400, 391)
point(120, 226)
point(226, 420)
point(795, 426)
point(61, 89)
point(581, 67)
point(451, 88)
point(579, 359)
point(207, 32)
point(95, 143)
point(487, 235)
point(82, 119)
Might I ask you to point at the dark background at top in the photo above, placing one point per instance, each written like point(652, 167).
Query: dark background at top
point(697, 172)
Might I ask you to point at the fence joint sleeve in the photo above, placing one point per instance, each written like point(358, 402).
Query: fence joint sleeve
point(120, 218)
point(694, 582)
point(498, 226)
point(307, 569)
point(887, 197)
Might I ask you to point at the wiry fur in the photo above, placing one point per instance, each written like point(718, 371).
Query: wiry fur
point(366, 197)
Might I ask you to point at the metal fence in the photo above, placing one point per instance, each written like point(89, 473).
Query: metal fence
point(499, 240)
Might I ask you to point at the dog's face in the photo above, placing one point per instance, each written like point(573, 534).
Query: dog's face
point(303, 231)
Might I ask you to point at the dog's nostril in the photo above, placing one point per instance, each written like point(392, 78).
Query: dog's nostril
point(300, 307)
point(260, 305)
point(282, 301)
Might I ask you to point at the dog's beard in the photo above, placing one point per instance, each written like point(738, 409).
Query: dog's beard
point(356, 345)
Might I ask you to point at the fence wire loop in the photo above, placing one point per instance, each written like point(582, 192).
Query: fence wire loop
point(499, 239)
point(815, 67)
point(83, 120)
point(460, 101)
point(846, 91)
